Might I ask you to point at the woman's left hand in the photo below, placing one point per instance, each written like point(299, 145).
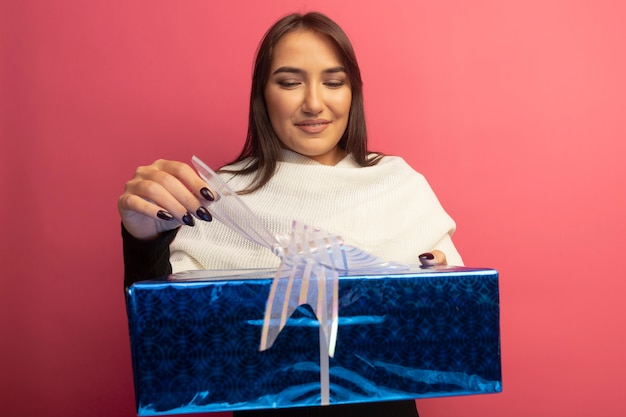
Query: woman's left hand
point(433, 258)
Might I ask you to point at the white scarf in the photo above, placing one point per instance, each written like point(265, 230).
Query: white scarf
point(388, 210)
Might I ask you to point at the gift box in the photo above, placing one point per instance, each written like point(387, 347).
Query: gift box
point(417, 334)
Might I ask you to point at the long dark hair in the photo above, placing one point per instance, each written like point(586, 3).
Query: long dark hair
point(262, 144)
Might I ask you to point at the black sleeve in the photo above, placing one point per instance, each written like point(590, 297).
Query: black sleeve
point(146, 259)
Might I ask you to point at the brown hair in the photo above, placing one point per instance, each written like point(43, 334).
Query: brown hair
point(262, 143)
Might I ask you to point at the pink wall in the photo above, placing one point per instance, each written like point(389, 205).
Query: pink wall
point(514, 110)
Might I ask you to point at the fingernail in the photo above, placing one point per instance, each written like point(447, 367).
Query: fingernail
point(427, 256)
point(204, 214)
point(207, 194)
point(164, 215)
point(188, 219)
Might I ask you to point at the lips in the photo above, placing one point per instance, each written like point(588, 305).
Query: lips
point(313, 126)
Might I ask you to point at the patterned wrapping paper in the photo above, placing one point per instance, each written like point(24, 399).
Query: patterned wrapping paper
point(424, 333)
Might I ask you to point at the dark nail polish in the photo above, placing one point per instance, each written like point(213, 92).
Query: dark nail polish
point(188, 219)
point(164, 215)
point(427, 256)
point(207, 194)
point(204, 214)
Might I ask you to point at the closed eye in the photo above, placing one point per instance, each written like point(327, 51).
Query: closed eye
point(289, 84)
point(334, 84)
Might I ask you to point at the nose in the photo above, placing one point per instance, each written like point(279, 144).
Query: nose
point(313, 100)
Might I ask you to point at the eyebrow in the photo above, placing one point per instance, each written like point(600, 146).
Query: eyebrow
point(294, 70)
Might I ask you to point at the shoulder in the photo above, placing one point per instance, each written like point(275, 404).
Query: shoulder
point(234, 174)
point(398, 165)
point(238, 165)
point(393, 159)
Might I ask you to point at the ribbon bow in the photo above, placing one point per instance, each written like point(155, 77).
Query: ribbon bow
point(311, 261)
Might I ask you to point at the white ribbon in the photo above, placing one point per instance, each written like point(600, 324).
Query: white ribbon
point(311, 261)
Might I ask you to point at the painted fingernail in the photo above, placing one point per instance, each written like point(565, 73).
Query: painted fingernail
point(207, 194)
point(188, 219)
point(164, 215)
point(204, 214)
point(427, 256)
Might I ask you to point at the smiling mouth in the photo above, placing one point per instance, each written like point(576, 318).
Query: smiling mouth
point(316, 124)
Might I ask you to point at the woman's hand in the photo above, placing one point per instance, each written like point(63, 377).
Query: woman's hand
point(161, 197)
point(433, 258)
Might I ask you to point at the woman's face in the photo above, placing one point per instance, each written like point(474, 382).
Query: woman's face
point(308, 96)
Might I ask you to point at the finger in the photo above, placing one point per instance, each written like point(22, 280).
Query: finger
point(433, 258)
point(131, 205)
point(188, 177)
point(144, 219)
point(155, 196)
point(170, 192)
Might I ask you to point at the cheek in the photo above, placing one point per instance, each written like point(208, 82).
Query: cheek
point(279, 107)
point(342, 103)
point(348, 103)
point(270, 104)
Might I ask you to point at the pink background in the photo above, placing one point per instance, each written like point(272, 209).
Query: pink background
point(514, 110)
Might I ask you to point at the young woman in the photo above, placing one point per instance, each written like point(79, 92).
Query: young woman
point(305, 158)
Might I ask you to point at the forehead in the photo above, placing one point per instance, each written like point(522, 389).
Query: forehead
point(305, 49)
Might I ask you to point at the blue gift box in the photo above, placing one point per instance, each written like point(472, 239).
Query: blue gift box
point(423, 333)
